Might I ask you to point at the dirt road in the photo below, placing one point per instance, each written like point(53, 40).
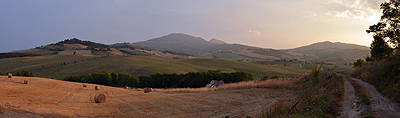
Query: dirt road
point(48, 97)
point(379, 104)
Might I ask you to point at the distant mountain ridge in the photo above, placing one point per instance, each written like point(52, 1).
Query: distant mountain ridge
point(184, 43)
point(178, 45)
point(216, 41)
point(328, 44)
point(328, 49)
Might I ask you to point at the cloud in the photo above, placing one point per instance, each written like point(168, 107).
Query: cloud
point(373, 4)
point(339, 13)
point(363, 9)
point(255, 32)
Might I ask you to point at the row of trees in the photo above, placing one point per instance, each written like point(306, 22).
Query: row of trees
point(86, 43)
point(91, 45)
point(159, 80)
point(192, 79)
point(106, 78)
point(11, 55)
point(24, 73)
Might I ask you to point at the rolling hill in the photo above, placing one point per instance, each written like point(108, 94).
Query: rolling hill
point(334, 50)
point(330, 45)
point(177, 45)
point(183, 43)
point(314, 52)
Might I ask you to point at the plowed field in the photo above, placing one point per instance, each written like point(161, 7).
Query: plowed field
point(55, 98)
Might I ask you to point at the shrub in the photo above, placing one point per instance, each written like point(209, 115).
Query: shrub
point(264, 78)
point(274, 77)
point(358, 63)
point(24, 73)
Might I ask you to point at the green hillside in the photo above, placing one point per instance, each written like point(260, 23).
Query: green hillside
point(59, 66)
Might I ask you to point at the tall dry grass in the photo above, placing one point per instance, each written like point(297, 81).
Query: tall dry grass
point(318, 95)
point(280, 83)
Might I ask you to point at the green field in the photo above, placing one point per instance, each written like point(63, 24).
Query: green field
point(59, 66)
point(229, 56)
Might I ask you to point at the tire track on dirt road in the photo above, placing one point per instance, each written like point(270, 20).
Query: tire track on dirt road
point(379, 104)
point(350, 107)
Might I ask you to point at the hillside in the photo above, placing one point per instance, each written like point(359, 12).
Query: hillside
point(59, 66)
point(334, 50)
point(183, 43)
point(316, 52)
point(216, 41)
point(329, 45)
point(54, 98)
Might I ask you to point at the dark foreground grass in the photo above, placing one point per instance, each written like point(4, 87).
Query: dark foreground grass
point(319, 95)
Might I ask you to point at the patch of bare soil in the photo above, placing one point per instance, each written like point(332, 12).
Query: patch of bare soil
point(379, 104)
point(53, 98)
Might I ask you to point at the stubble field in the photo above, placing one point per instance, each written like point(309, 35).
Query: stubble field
point(48, 97)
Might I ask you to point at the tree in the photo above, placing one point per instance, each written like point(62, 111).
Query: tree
point(358, 63)
point(24, 73)
point(380, 48)
point(387, 30)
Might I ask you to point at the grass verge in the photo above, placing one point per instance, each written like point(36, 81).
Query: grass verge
point(319, 95)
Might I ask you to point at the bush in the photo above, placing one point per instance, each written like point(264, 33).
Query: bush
point(264, 78)
point(274, 77)
point(358, 63)
point(24, 73)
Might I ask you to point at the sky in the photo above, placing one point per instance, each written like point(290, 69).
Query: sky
point(277, 24)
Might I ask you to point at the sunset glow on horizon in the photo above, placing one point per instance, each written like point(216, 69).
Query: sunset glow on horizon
point(274, 24)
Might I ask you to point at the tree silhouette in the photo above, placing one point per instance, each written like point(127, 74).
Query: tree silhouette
point(387, 30)
point(380, 48)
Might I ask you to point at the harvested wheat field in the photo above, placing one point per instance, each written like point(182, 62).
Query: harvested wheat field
point(54, 98)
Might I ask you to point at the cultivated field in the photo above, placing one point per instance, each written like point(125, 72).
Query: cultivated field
point(55, 98)
point(53, 66)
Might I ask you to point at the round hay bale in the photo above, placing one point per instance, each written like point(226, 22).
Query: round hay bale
point(126, 87)
point(148, 90)
point(97, 88)
point(84, 85)
point(100, 98)
point(26, 81)
point(9, 75)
